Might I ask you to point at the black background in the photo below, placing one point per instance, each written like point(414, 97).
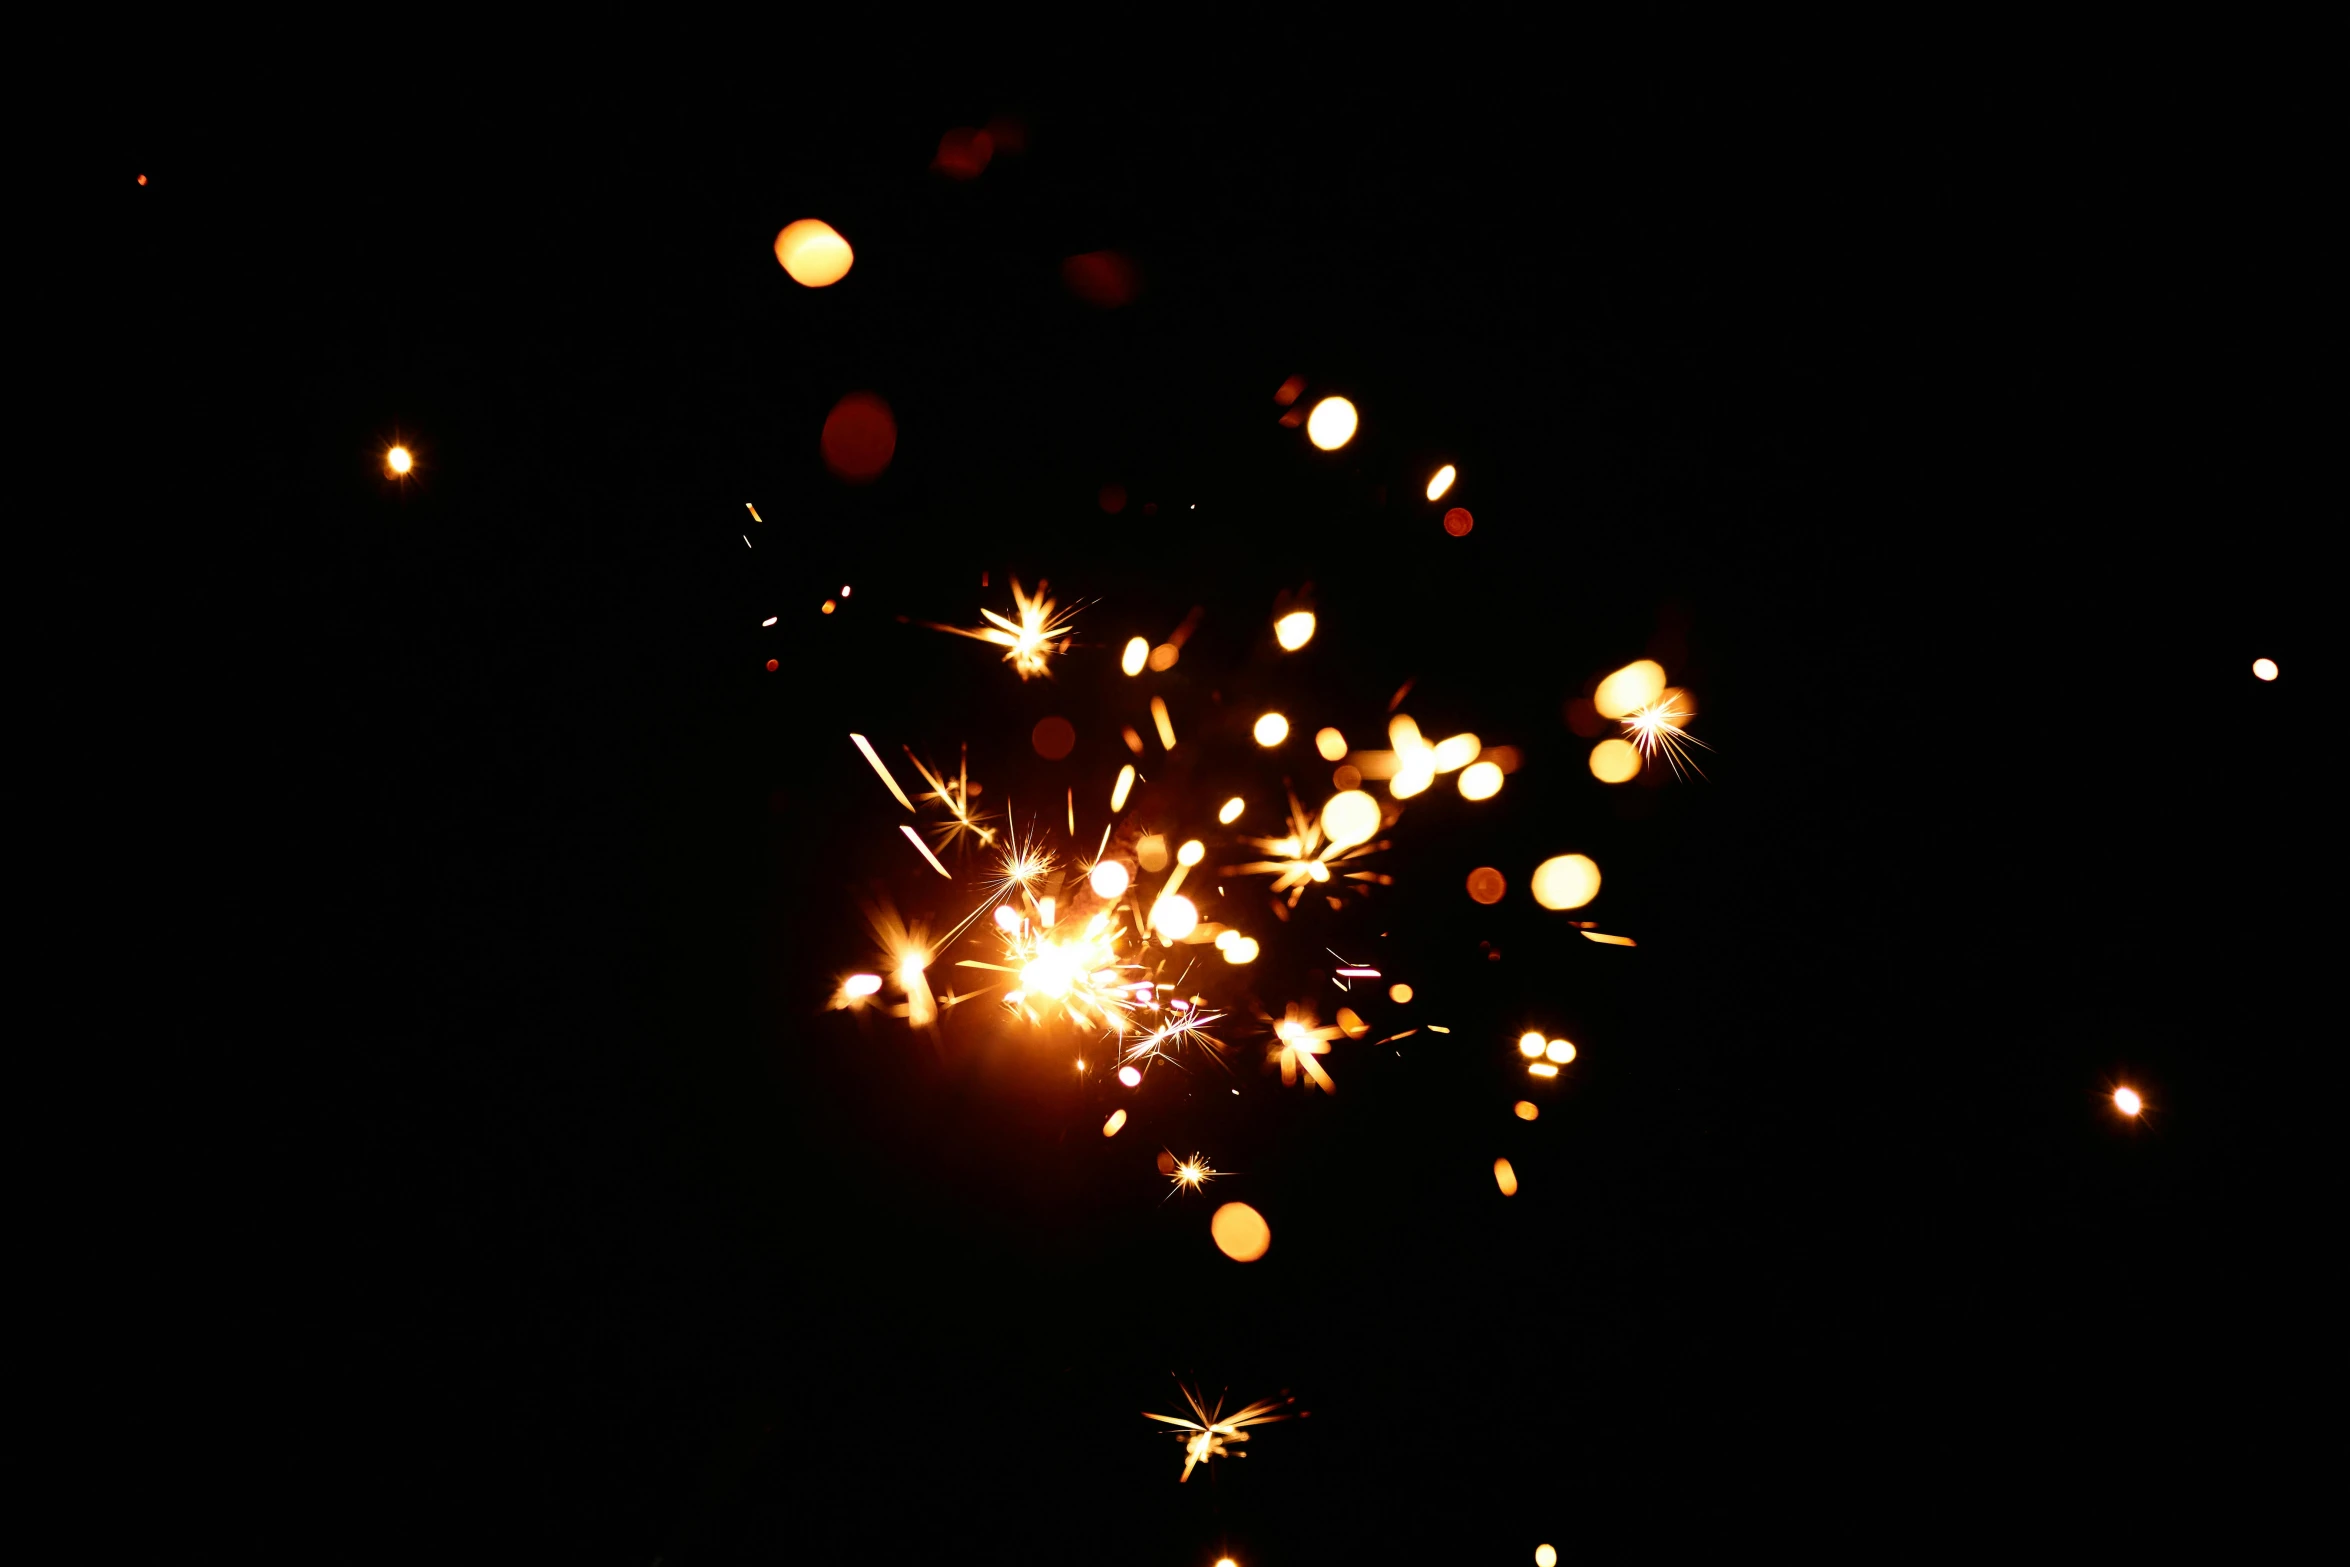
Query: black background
point(1952, 444)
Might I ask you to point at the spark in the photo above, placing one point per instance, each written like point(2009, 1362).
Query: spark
point(754, 511)
point(1189, 1174)
point(1441, 481)
point(2126, 1100)
point(1296, 1042)
point(866, 746)
point(1028, 641)
point(1122, 788)
point(1182, 1023)
point(1166, 724)
point(1656, 726)
point(955, 796)
point(1609, 941)
point(1300, 860)
point(1207, 1436)
point(398, 462)
point(915, 839)
point(906, 955)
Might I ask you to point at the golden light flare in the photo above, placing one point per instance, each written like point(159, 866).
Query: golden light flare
point(1505, 1177)
point(1192, 852)
point(399, 462)
point(1207, 1436)
point(1530, 1044)
point(1455, 753)
point(1542, 1069)
point(1240, 1232)
point(1137, 651)
point(1615, 761)
point(1480, 781)
point(1440, 481)
point(1565, 881)
point(1231, 811)
point(1331, 424)
point(2126, 1100)
point(1657, 727)
point(2262, 668)
point(1244, 949)
point(861, 984)
point(1270, 730)
point(1302, 859)
point(1189, 1175)
point(1163, 657)
point(1029, 639)
point(1294, 630)
point(1330, 744)
point(1560, 1050)
point(1130, 1077)
point(1546, 1556)
point(813, 253)
point(1629, 689)
point(1174, 917)
point(1350, 817)
point(873, 757)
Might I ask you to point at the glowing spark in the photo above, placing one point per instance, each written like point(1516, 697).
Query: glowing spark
point(1331, 424)
point(1441, 481)
point(1565, 881)
point(2264, 669)
point(1119, 792)
point(1189, 1174)
point(1208, 1436)
point(398, 461)
point(861, 984)
point(915, 839)
point(1271, 730)
point(1029, 640)
point(1130, 1077)
point(1108, 880)
point(1303, 858)
point(1166, 724)
point(1629, 689)
point(754, 511)
point(1296, 1042)
point(1192, 852)
point(906, 954)
point(1112, 1126)
point(1136, 652)
point(1181, 1023)
point(1609, 941)
point(866, 746)
point(1560, 1050)
point(1360, 973)
point(956, 797)
point(1542, 1069)
point(1294, 630)
point(1530, 1045)
point(1546, 1556)
point(1505, 1177)
point(769, 621)
point(813, 253)
point(1526, 1110)
point(2126, 1100)
point(1174, 917)
point(1480, 781)
point(1232, 809)
point(1656, 727)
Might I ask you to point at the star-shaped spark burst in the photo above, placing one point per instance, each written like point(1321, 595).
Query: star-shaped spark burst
point(963, 824)
point(1302, 859)
point(1029, 640)
point(1296, 1042)
point(1189, 1175)
point(1206, 1437)
point(1179, 1021)
point(1657, 728)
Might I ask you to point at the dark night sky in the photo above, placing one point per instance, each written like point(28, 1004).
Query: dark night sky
point(1955, 444)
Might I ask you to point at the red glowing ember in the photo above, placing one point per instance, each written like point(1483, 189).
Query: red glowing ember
point(1053, 738)
point(1458, 522)
point(1101, 278)
point(963, 153)
point(860, 437)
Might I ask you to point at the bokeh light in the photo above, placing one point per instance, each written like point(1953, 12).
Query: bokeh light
point(1399, 993)
point(813, 253)
point(1346, 777)
point(1615, 761)
point(1108, 880)
point(1530, 1045)
point(1480, 781)
point(1174, 917)
point(1454, 752)
point(1630, 688)
point(1560, 1050)
point(1192, 852)
point(963, 153)
point(1163, 657)
point(2126, 1100)
point(1102, 278)
point(1350, 817)
point(1120, 789)
point(1567, 881)
point(1486, 884)
point(1331, 424)
point(399, 461)
point(1458, 522)
point(1112, 498)
point(1130, 1077)
point(1546, 1556)
point(1240, 1232)
point(1232, 809)
point(2262, 668)
point(1330, 743)
point(1441, 482)
point(861, 984)
point(1053, 738)
point(1151, 850)
point(860, 437)
point(1242, 950)
point(1526, 1109)
point(1294, 630)
point(1271, 730)
point(1505, 1177)
point(1131, 661)
point(1110, 1127)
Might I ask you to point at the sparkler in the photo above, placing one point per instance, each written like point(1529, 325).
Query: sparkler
point(1655, 727)
point(1188, 1175)
point(1209, 1436)
point(1029, 640)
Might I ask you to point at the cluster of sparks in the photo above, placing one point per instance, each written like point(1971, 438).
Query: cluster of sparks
point(1041, 631)
point(1209, 1433)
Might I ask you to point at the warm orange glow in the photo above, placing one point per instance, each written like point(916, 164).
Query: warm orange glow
point(1232, 809)
point(1130, 1077)
point(1053, 738)
point(1458, 522)
point(1630, 688)
point(1288, 391)
point(1567, 881)
point(1505, 1177)
point(1331, 424)
point(1347, 778)
point(963, 153)
point(398, 461)
point(1164, 721)
point(1174, 917)
point(1350, 817)
point(1240, 1232)
point(1117, 1120)
point(1480, 781)
point(1455, 753)
point(1294, 630)
point(1132, 659)
point(1486, 884)
point(1226, 1561)
point(2126, 1100)
point(1351, 1024)
point(814, 255)
point(2262, 668)
point(1530, 1044)
point(1123, 787)
point(860, 984)
point(1330, 743)
point(1526, 1109)
point(1542, 1069)
point(1151, 850)
point(1441, 482)
point(828, 606)
point(1615, 761)
point(1546, 1556)
point(1108, 880)
point(860, 436)
point(1102, 278)
point(1560, 1050)
point(1271, 730)
point(1192, 852)
point(1242, 950)
point(1399, 993)
point(1163, 657)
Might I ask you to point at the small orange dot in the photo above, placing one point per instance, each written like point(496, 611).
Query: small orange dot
point(828, 606)
point(1486, 884)
point(773, 665)
point(1458, 522)
point(142, 179)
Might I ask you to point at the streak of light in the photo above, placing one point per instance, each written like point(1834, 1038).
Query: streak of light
point(1560, 1050)
point(2264, 669)
point(1114, 1124)
point(1289, 389)
point(1656, 727)
point(1401, 692)
point(1609, 941)
point(1505, 1177)
point(1120, 790)
point(1542, 1069)
point(866, 746)
point(1630, 688)
point(813, 253)
point(1361, 973)
point(769, 621)
point(1166, 724)
point(1294, 630)
point(1399, 993)
point(1332, 423)
point(1131, 660)
point(1480, 781)
point(1565, 881)
point(1441, 481)
point(1615, 760)
point(2126, 1100)
point(1271, 730)
point(1231, 811)
point(1330, 743)
point(1072, 810)
point(1351, 1024)
point(754, 511)
point(955, 797)
point(1530, 1044)
point(1526, 1109)
point(1205, 1438)
point(1438, 1028)
point(398, 461)
point(915, 839)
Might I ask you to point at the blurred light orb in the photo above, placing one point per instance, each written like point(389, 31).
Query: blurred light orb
point(1347, 777)
point(963, 153)
point(1104, 279)
point(1351, 817)
point(1526, 1109)
point(860, 437)
point(1244, 949)
point(1163, 657)
point(1560, 1050)
point(1110, 1127)
point(1399, 993)
point(399, 460)
point(2126, 1100)
point(1007, 917)
point(1630, 688)
point(1192, 852)
point(1226, 1561)
point(1480, 781)
point(1130, 1077)
point(1175, 917)
point(1294, 630)
point(1330, 743)
point(1412, 780)
point(1108, 879)
point(1053, 738)
point(1441, 482)
point(1615, 761)
point(1232, 809)
point(1458, 522)
point(1151, 850)
point(1505, 1177)
point(2262, 668)
point(1566, 881)
point(1331, 424)
point(1240, 1232)
point(1132, 659)
point(861, 984)
point(1486, 884)
point(1271, 730)
point(814, 255)
point(1530, 1045)
point(1546, 1556)
point(1455, 753)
